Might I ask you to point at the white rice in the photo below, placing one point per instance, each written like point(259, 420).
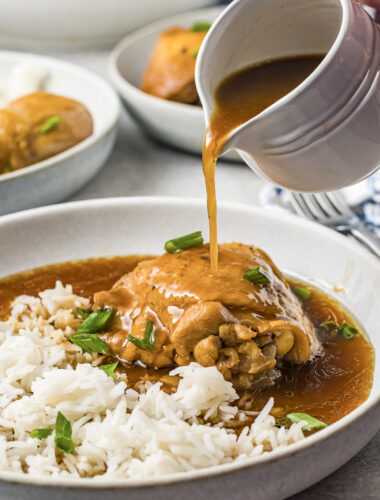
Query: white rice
point(118, 432)
point(23, 79)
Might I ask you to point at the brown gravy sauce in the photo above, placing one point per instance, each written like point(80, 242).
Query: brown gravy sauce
point(328, 388)
point(238, 98)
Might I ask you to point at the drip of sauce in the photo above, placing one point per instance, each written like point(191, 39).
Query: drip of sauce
point(240, 97)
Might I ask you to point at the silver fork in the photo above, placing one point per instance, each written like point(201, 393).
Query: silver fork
point(330, 209)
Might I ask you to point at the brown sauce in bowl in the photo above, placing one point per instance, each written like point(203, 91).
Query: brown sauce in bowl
point(328, 388)
point(238, 98)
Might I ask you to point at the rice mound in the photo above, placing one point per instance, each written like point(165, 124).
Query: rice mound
point(118, 432)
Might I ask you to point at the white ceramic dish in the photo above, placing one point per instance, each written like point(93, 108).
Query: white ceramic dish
point(179, 125)
point(50, 23)
point(324, 134)
point(57, 177)
point(141, 225)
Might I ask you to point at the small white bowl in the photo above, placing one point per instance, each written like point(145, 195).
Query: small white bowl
point(141, 226)
point(179, 125)
point(61, 175)
point(76, 24)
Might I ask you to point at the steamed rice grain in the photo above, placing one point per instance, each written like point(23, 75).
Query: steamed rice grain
point(118, 432)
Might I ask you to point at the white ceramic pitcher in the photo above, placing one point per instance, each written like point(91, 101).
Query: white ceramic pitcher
point(325, 134)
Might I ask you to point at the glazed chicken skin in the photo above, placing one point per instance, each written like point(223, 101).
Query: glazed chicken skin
point(223, 320)
point(171, 71)
point(21, 141)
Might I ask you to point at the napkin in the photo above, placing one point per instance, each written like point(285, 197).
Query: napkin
point(363, 198)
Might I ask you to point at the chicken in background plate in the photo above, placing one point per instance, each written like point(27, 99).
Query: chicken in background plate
point(171, 71)
point(38, 126)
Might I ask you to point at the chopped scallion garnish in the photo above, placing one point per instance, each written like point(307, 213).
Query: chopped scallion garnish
point(256, 276)
point(96, 321)
point(200, 26)
point(83, 313)
point(329, 329)
point(311, 422)
point(302, 293)
point(187, 241)
point(348, 331)
point(109, 369)
point(63, 434)
point(330, 324)
point(147, 343)
point(89, 342)
point(334, 329)
point(50, 123)
point(195, 53)
point(9, 166)
point(41, 433)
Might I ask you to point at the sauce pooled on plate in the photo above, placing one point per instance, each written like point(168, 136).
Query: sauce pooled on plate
point(329, 387)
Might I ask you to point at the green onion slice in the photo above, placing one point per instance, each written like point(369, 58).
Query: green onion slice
point(200, 26)
point(109, 369)
point(147, 343)
point(348, 331)
point(89, 342)
point(329, 324)
point(195, 53)
point(311, 422)
point(187, 241)
point(330, 327)
point(96, 321)
point(302, 293)
point(50, 123)
point(41, 433)
point(83, 313)
point(63, 434)
point(9, 166)
point(256, 276)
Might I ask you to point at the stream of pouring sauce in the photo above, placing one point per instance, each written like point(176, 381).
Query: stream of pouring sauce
point(240, 97)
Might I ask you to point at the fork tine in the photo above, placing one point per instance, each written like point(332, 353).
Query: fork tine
point(313, 206)
point(339, 203)
point(301, 207)
point(328, 207)
point(319, 210)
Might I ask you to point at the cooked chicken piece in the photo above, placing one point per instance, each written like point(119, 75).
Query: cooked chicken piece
point(223, 320)
point(284, 343)
point(170, 74)
point(14, 141)
point(23, 140)
point(206, 352)
point(253, 360)
point(199, 321)
point(233, 333)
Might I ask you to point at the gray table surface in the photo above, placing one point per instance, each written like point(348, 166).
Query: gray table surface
point(138, 167)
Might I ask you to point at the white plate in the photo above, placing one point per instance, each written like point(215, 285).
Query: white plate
point(179, 125)
point(141, 225)
point(61, 175)
point(80, 23)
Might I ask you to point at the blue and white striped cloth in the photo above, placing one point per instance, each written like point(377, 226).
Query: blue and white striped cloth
point(363, 198)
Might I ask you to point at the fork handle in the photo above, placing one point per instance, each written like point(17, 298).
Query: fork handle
point(363, 236)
